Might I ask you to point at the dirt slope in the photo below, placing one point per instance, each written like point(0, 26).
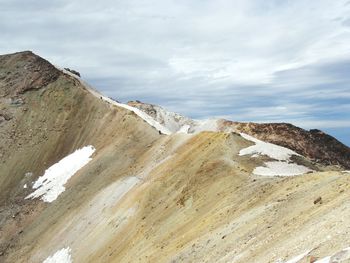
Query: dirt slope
point(147, 197)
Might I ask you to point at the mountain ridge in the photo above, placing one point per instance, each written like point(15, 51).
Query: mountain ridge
point(315, 144)
point(150, 197)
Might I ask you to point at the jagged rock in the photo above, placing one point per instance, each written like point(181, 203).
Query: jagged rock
point(73, 71)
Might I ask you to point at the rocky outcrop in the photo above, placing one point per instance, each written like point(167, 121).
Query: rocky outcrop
point(171, 120)
point(314, 144)
point(73, 71)
point(150, 109)
point(24, 71)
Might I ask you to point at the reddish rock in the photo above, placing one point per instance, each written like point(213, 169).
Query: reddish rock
point(314, 144)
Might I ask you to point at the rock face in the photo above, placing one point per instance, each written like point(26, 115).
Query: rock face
point(148, 197)
point(24, 71)
point(314, 144)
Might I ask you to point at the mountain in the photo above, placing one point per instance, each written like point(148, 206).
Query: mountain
point(84, 178)
point(314, 144)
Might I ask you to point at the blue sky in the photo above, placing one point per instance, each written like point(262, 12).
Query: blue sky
point(247, 60)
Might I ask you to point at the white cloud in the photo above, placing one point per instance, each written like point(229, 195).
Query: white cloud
point(202, 58)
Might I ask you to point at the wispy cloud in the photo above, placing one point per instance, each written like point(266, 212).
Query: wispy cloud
point(248, 60)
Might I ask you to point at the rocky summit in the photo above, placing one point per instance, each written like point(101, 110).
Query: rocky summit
point(84, 178)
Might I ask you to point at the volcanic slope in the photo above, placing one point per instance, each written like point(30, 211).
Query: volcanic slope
point(314, 144)
point(139, 195)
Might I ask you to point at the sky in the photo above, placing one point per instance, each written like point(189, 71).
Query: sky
point(244, 60)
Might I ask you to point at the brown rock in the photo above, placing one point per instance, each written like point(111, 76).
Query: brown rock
point(314, 144)
point(318, 200)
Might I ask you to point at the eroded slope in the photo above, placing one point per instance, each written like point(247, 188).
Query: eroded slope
point(148, 197)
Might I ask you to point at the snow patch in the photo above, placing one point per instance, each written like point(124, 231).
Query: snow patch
point(143, 116)
point(184, 129)
point(280, 169)
point(264, 148)
point(166, 122)
point(177, 123)
point(61, 256)
point(25, 186)
point(51, 184)
point(346, 172)
point(299, 257)
point(324, 260)
point(174, 122)
point(138, 112)
point(340, 256)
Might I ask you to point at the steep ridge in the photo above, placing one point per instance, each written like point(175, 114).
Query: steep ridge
point(149, 197)
point(49, 123)
point(314, 144)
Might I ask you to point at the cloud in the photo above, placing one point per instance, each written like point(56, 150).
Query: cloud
point(248, 60)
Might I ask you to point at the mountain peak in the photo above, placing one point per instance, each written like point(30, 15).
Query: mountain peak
point(24, 71)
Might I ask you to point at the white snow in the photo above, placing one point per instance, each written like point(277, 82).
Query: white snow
point(299, 257)
point(264, 148)
point(346, 172)
point(324, 260)
point(143, 116)
point(51, 184)
point(25, 186)
point(166, 122)
point(173, 121)
point(340, 256)
point(184, 129)
point(282, 167)
point(177, 123)
point(138, 112)
point(278, 168)
point(61, 256)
